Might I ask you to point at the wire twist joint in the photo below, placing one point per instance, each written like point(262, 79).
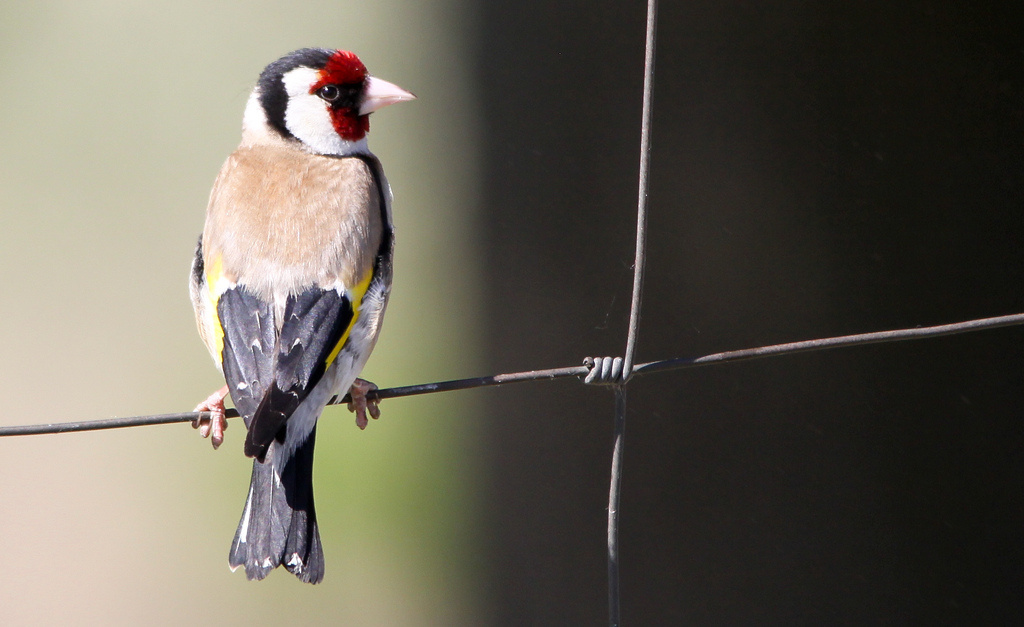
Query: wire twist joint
point(605, 371)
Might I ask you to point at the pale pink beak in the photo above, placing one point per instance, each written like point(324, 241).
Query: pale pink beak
point(380, 93)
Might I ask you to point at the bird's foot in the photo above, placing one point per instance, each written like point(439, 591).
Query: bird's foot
point(360, 404)
point(214, 424)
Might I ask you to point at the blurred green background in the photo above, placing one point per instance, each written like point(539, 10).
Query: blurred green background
point(114, 119)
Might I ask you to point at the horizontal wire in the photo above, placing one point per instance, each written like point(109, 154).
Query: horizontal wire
point(560, 373)
point(858, 339)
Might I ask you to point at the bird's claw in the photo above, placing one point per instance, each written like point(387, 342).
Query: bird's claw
point(361, 405)
point(212, 426)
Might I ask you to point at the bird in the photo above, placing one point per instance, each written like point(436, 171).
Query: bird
point(289, 283)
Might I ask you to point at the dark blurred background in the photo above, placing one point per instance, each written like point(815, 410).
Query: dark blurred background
point(818, 169)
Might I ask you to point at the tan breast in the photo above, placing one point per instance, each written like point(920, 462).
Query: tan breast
point(281, 219)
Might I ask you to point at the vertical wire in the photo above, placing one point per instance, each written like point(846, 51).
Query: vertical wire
point(641, 209)
point(614, 599)
point(613, 506)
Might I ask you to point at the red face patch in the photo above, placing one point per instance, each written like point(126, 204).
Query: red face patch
point(344, 68)
point(349, 125)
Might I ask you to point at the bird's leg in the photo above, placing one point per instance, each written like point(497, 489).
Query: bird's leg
point(217, 422)
point(360, 404)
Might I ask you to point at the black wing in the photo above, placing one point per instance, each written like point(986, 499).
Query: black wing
point(269, 373)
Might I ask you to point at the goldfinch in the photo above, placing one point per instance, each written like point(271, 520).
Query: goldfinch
point(289, 284)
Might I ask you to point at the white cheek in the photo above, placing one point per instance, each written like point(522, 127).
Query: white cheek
point(254, 120)
point(307, 116)
point(308, 119)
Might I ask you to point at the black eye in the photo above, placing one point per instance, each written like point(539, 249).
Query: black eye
point(330, 93)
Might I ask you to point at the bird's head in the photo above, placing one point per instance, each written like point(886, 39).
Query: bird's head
point(320, 98)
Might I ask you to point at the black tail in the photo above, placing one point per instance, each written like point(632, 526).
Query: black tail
point(278, 526)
